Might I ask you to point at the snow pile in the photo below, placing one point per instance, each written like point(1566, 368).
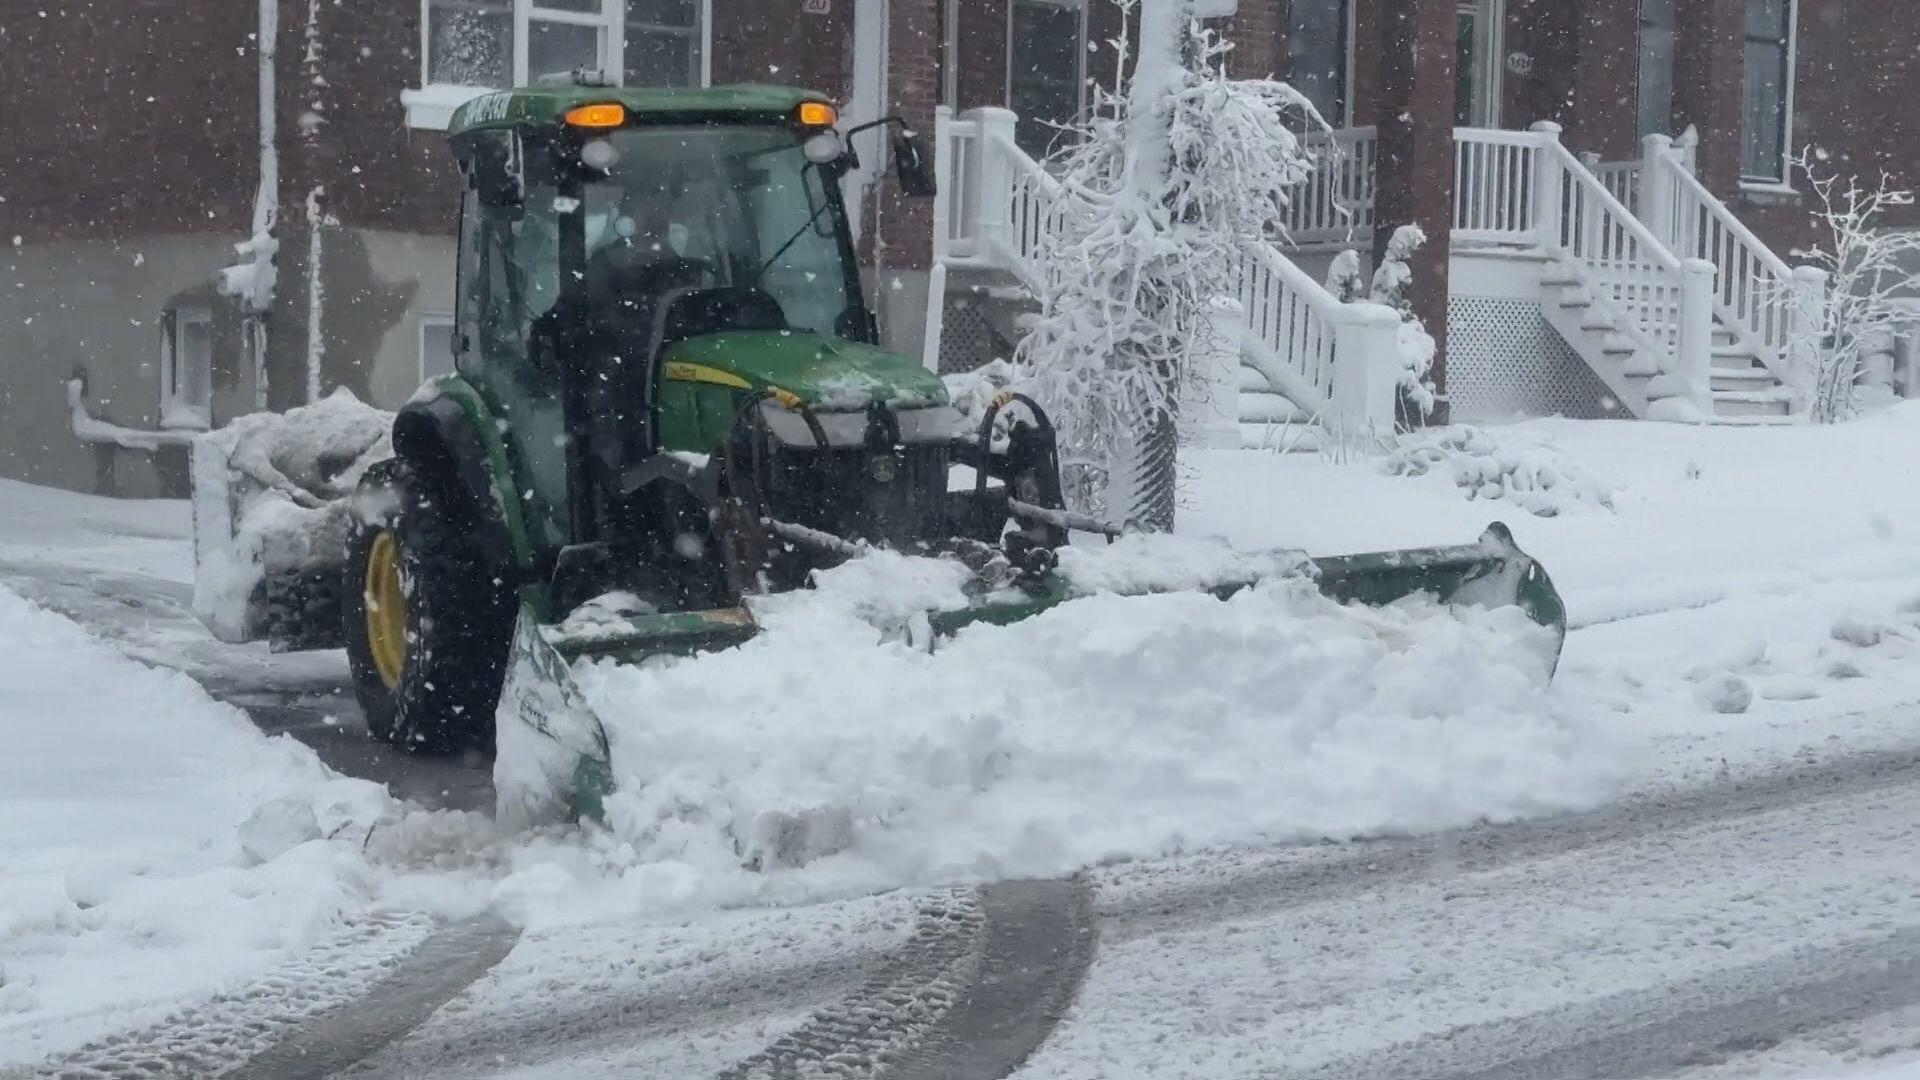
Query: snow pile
point(1112, 727)
point(154, 847)
point(1532, 476)
point(270, 494)
point(1142, 562)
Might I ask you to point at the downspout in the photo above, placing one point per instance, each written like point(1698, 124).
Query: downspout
point(311, 122)
point(251, 282)
point(266, 200)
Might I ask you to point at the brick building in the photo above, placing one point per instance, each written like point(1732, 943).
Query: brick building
point(130, 178)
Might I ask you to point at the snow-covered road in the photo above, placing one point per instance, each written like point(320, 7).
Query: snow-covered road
point(1630, 942)
point(1734, 725)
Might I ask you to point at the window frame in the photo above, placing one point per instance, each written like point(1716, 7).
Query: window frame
point(1672, 28)
point(1348, 56)
point(430, 105)
point(176, 413)
point(445, 324)
point(1080, 53)
point(1790, 63)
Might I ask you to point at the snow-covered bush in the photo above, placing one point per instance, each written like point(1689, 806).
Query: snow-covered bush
point(1393, 286)
point(1171, 180)
point(270, 502)
point(1344, 279)
point(1533, 477)
point(1870, 288)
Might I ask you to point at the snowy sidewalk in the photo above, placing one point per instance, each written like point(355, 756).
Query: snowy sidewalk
point(157, 847)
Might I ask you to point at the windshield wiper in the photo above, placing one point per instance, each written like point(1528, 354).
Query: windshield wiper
point(791, 240)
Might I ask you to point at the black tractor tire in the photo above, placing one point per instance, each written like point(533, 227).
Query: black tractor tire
point(458, 614)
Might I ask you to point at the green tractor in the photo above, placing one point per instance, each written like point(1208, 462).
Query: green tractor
point(669, 399)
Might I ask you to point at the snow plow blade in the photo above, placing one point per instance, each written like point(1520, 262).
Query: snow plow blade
point(1492, 573)
point(554, 754)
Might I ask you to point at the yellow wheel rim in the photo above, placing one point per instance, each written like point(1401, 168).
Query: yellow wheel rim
point(386, 610)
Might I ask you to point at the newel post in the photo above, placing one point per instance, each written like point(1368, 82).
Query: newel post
point(1806, 337)
point(1656, 188)
point(1696, 331)
point(1549, 179)
point(1366, 372)
point(1210, 394)
point(994, 193)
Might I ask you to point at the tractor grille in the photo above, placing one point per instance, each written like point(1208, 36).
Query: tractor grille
point(896, 498)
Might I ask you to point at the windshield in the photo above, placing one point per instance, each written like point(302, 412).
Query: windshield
point(732, 207)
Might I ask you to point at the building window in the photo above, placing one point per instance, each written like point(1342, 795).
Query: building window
point(186, 369)
point(1656, 67)
point(436, 346)
point(474, 45)
point(1769, 90)
point(1046, 69)
point(1318, 54)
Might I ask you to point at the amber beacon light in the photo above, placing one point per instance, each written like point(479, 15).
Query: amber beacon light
point(607, 115)
point(817, 114)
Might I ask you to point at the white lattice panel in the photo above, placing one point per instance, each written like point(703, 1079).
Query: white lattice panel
point(1504, 359)
point(967, 338)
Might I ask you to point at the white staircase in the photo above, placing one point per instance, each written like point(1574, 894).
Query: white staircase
point(1679, 310)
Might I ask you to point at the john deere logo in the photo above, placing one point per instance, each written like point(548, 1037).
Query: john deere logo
point(885, 469)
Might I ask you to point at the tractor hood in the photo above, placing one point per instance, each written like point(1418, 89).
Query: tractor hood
point(829, 374)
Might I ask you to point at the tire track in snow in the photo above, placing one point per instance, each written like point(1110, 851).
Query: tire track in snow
point(325, 1005)
point(443, 965)
point(1260, 884)
point(1660, 1033)
point(984, 981)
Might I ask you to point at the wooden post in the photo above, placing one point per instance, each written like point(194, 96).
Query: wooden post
point(1696, 332)
point(1366, 376)
point(1656, 191)
point(1549, 180)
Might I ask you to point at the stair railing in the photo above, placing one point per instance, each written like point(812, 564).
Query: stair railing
point(1772, 309)
point(1660, 302)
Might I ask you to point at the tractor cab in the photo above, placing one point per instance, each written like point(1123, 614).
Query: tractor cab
point(639, 265)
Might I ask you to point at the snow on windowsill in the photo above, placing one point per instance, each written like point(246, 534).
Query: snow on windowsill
point(431, 107)
point(181, 416)
point(1768, 192)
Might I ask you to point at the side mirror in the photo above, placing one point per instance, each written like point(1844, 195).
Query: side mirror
point(914, 166)
point(496, 172)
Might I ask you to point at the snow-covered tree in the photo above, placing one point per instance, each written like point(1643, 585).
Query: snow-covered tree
point(1393, 286)
point(1171, 179)
point(1870, 286)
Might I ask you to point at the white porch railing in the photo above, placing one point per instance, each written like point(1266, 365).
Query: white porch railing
point(1659, 301)
point(1494, 186)
point(1760, 299)
point(1335, 203)
point(997, 208)
point(1620, 178)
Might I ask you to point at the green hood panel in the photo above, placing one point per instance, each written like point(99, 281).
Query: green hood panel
point(828, 373)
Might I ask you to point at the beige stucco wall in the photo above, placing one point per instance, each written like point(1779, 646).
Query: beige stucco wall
point(395, 259)
point(96, 305)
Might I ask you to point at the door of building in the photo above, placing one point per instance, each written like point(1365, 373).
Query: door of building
point(1479, 77)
